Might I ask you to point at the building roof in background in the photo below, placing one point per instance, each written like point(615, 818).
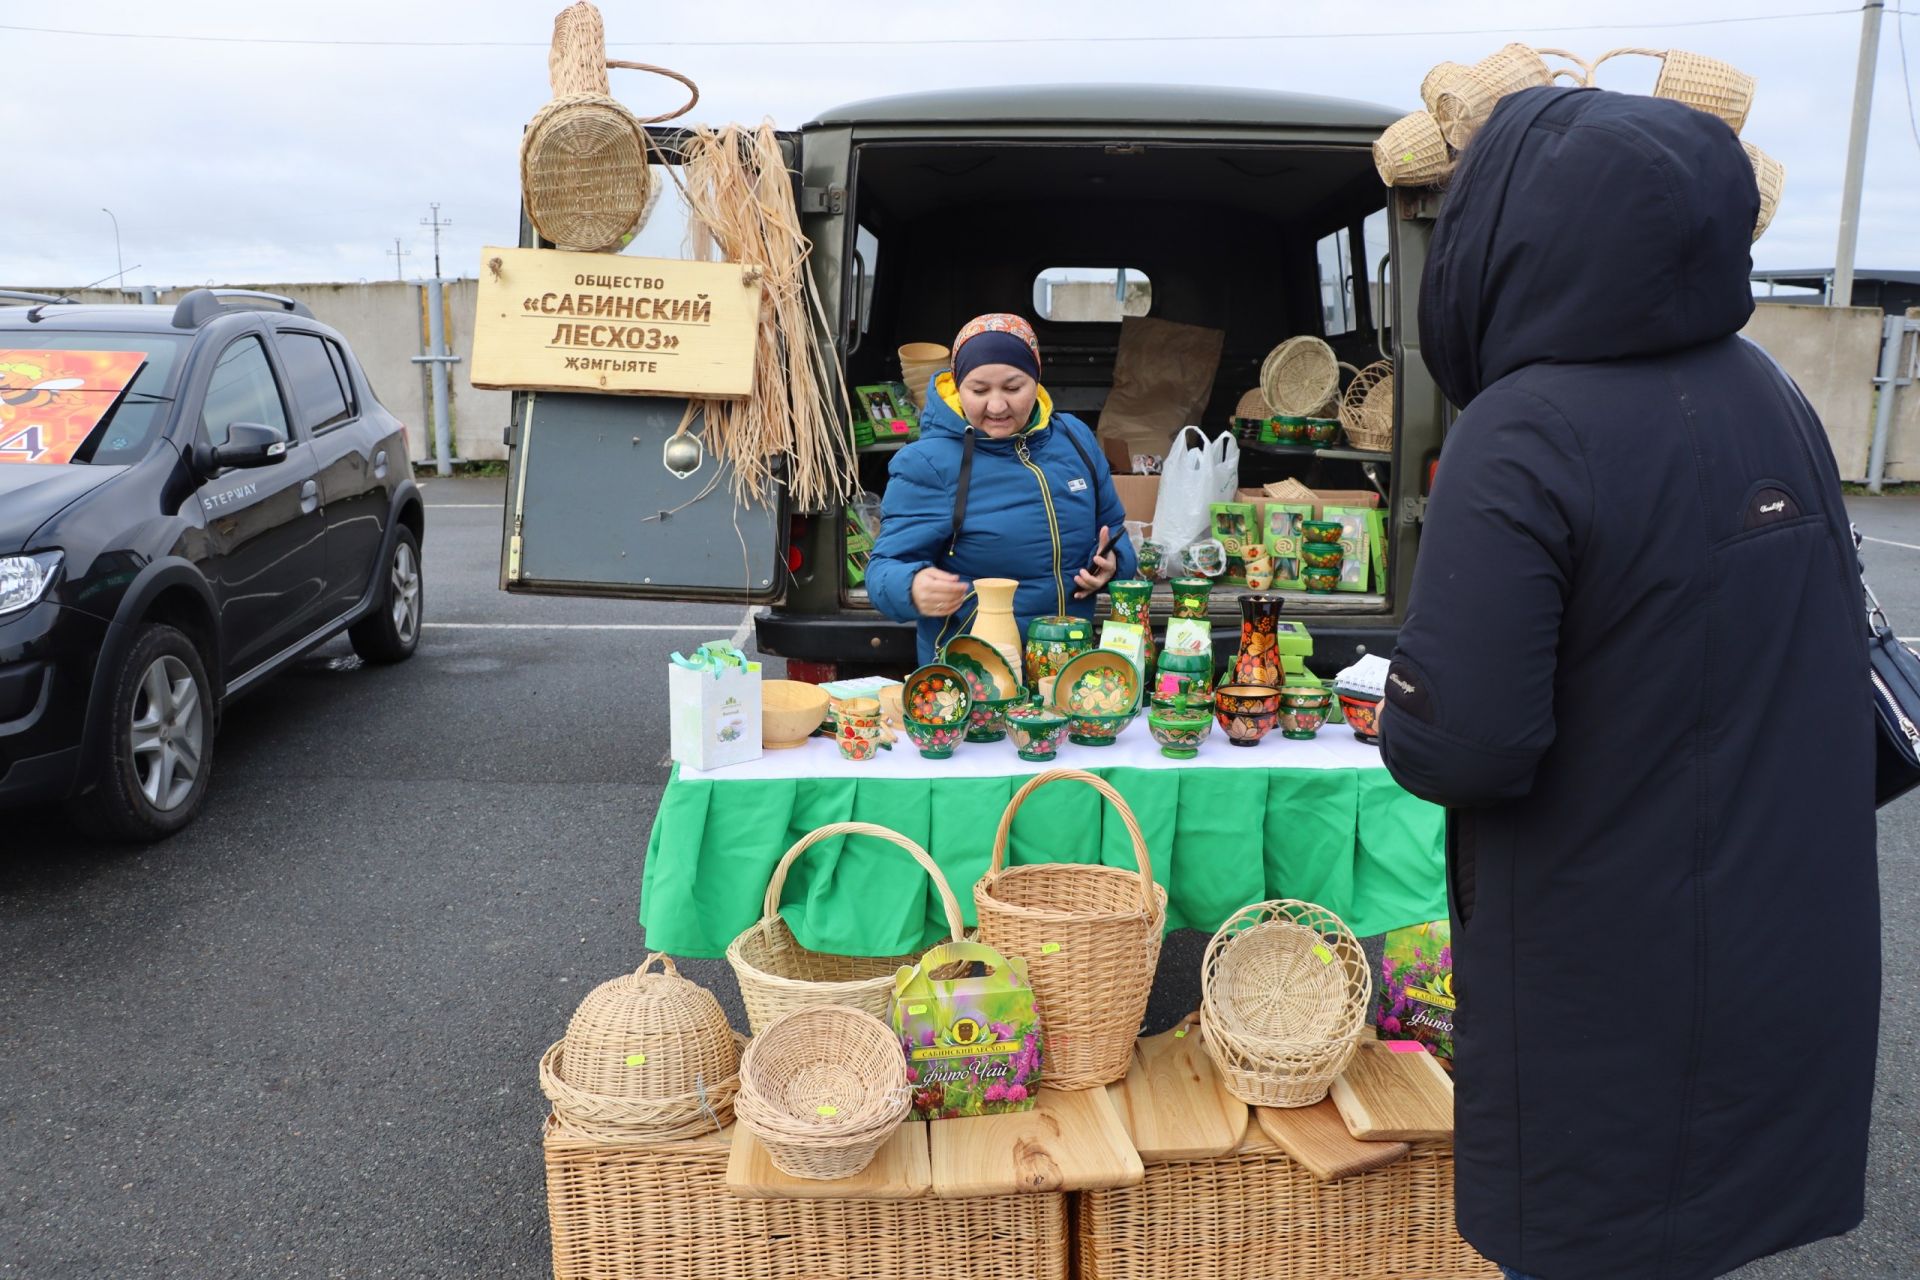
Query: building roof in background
point(1113, 104)
point(1816, 277)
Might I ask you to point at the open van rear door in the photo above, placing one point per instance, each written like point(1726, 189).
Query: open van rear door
point(593, 509)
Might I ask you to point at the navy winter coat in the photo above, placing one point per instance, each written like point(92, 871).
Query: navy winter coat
point(1034, 508)
point(1634, 670)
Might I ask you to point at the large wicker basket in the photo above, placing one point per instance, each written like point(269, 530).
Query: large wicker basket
point(1300, 377)
point(1366, 408)
point(1258, 1215)
point(1284, 995)
point(1771, 177)
point(583, 158)
point(647, 1055)
point(778, 975)
point(1090, 935)
point(1705, 84)
point(662, 1211)
point(1462, 97)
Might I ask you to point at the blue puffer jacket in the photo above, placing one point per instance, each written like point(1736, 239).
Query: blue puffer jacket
point(1034, 511)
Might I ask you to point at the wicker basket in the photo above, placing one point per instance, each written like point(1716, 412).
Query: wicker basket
point(583, 159)
point(662, 1211)
point(778, 975)
point(1413, 152)
point(1284, 995)
point(1090, 935)
point(648, 1054)
point(1257, 1215)
point(1300, 377)
point(1366, 408)
point(1252, 404)
point(823, 1089)
point(1462, 97)
point(1771, 177)
point(1705, 84)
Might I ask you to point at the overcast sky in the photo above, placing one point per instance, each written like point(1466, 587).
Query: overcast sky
point(254, 161)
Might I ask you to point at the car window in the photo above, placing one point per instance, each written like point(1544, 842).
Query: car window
point(64, 394)
point(242, 390)
point(339, 359)
point(312, 378)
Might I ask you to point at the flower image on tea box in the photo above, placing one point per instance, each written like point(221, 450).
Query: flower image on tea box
point(1416, 987)
point(973, 1042)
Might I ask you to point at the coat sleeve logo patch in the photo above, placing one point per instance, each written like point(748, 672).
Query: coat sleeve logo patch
point(1768, 506)
point(1407, 690)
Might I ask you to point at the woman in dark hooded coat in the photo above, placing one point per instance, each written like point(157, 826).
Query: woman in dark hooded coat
point(1634, 671)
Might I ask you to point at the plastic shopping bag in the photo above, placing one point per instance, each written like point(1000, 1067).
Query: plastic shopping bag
point(1198, 473)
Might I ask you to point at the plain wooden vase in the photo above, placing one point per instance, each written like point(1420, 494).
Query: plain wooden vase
point(994, 622)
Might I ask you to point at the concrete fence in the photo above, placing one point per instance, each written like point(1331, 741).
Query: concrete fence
point(385, 322)
point(1834, 354)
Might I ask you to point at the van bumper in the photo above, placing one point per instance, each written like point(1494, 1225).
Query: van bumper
point(834, 637)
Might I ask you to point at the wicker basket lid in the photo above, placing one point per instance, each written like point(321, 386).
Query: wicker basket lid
point(649, 1034)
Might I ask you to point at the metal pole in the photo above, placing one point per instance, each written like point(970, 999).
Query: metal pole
point(1893, 344)
point(437, 344)
point(1842, 295)
point(120, 278)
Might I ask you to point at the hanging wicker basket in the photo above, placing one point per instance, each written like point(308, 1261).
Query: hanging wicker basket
point(1252, 404)
point(1300, 377)
point(1412, 152)
point(1461, 98)
point(584, 175)
point(647, 1055)
point(823, 1089)
point(1705, 84)
point(1285, 990)
point(777, 975)
point(1771, 177)
point(1090, 935)
point(1366, 408)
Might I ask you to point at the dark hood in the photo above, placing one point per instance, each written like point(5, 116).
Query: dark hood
point(1584, 225)
point(32, 493)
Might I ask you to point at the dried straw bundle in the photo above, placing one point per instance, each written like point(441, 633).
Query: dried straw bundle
point(741, 199)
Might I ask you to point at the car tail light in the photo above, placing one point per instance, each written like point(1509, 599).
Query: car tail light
point(812, 672)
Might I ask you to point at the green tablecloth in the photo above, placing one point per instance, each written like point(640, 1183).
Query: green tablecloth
point(1348, 838)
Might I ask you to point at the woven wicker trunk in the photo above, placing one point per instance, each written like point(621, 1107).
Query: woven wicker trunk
point(1256, 1215)
point(661, 1211)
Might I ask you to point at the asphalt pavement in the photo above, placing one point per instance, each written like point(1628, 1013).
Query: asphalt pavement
point(299, 1039)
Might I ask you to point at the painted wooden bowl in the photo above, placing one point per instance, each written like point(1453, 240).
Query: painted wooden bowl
point(1320, 581)
point(1303, 709)
point(1247, 712)
point(1037, 732)
point(1323, 555)
point(1098, 683)
point(938, 694)
point(1322, 530)
point(988, 675)
point(1363, 713)
point(936, 741)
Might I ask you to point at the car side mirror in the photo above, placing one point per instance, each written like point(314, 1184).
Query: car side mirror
point(249, 444)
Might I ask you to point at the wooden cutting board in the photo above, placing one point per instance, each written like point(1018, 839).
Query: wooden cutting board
point(899, 1172)
point(1395, 1095)
point(1068, 1142)
point(1317, 1138)
point(1173, 1102)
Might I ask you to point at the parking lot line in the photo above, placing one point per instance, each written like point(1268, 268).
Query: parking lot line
point(1888, 542)
point(465, 506)
point(580, 626)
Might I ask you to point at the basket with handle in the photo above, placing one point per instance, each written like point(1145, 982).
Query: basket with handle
point(1412, 152)
point(1366, 408)
point(583, 159)
point(1705, 84)
point(1090, 935)
point(648, 1054)
point(1461, 97)
point(1284, 993)
point(777, 975)
point(1771, 177)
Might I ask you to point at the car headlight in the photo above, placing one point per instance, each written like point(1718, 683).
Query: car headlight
point(24, 579)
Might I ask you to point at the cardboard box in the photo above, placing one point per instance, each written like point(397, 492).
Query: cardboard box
point(1129, 638)
point(1138, 494)
point(1377, 535)
point(1235, 524)
point(889, 410)
point(1281, 523)
point(1416, 996)
point(1328, 498)
point(972, 1043)
point(1355, 541)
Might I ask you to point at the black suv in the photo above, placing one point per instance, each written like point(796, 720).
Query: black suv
point(191, 497)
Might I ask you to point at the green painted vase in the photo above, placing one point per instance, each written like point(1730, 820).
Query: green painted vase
point(1131, 600)
point(1052, 642)
point(1190, 597)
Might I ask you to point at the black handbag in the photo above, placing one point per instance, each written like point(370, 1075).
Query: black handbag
point(1894, 671)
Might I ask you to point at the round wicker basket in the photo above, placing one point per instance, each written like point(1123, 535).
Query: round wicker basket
point(1771, 177)
point(1366, 408)
point(1412, 152)
point(1284, 994)
point(648, 1054)
point(1705, 84)
point(1300, 377)
point(1462, 97)
point(1252, 404)
point(823, 1089)
point(584, 174)
point(1090, 935)
point(777, 975)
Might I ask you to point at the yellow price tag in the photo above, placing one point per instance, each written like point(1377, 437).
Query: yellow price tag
point(1048, 948)
point(1181, 1034)
point(916, 1008)
point(827, 1110)
point(636, 1059)
point(1326, 956)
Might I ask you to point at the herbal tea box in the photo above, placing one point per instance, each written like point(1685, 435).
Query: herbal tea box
point(1416, 987)
point(972, 1042)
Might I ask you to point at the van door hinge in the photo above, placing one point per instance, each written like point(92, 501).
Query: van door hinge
point(823, 199)
point(1413, 510)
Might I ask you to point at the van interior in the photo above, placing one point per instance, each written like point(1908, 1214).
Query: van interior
point(1261, 241)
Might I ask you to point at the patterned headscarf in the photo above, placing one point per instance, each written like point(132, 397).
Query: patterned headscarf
point(998, 338)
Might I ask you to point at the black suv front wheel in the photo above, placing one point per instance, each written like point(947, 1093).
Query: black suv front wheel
point(392, 631)
point(159, 742)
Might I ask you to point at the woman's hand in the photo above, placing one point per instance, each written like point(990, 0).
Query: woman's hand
point(1091, 579)
point(937, 593)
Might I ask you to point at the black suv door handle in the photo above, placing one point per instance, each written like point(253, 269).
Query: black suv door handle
point(309, 497)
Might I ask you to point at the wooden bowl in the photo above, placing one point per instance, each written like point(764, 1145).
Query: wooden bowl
point(988, 675)
point(790, 710)
point(1098, 684)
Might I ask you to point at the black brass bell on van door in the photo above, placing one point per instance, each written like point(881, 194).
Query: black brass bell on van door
point(683, 454)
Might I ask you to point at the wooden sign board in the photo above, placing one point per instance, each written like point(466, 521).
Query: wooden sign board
point(555, 321)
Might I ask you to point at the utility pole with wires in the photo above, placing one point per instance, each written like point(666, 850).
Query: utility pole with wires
point(397, 253)
point(436, 224)
point(1842, 291)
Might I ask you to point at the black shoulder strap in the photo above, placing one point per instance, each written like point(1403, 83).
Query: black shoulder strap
point(960, 487)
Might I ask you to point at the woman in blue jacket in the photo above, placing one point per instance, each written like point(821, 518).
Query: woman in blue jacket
point(999, 485)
